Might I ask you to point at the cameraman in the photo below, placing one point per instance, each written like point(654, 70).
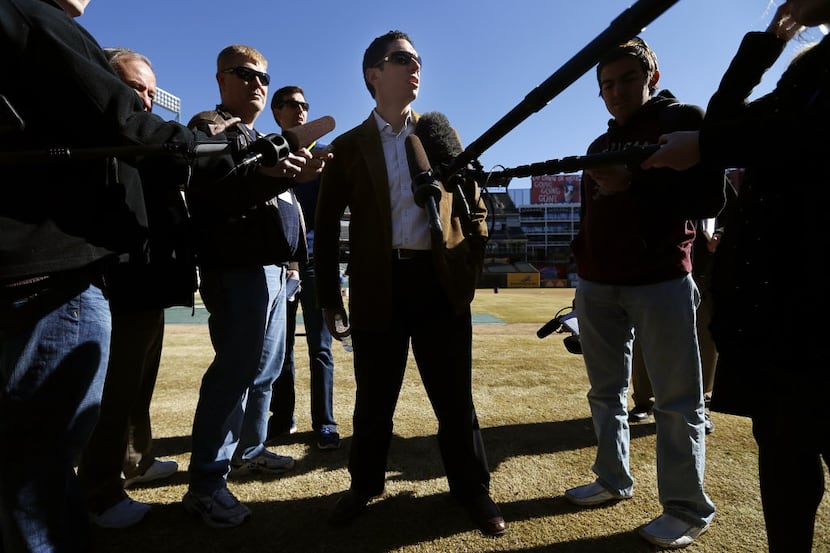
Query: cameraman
point(62, 225)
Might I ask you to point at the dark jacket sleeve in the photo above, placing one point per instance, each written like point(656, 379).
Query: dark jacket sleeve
point(698, 192)
point(762, 133)
point(61, 214)
point(332, 200)
point(231, 190)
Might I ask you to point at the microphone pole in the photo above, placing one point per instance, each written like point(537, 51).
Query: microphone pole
point(268, 150)
point(631, 156)
point(625, 27)
point(64, 154)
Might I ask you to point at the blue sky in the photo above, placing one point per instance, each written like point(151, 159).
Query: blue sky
point(481, 57)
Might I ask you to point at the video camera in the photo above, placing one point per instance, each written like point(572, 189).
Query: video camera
point(561, 323)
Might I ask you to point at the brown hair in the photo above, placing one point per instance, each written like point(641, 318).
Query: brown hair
point(377, 49)
point(635, 48)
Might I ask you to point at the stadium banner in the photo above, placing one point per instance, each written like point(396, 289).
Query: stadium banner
point(555, 189)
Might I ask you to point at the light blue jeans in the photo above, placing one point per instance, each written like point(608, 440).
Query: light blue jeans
point(247, 328)
point(663, 316)
point(52, 374)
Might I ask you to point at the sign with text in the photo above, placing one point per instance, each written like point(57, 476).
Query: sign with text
point(554, 189)
point(523, 280)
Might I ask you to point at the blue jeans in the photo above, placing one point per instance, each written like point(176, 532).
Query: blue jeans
point(663, 316)
point(52, 373)
point(122, 440)
point(321, 363)
point(247, 329)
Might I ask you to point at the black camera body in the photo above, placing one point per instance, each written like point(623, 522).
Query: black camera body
point(572, 344)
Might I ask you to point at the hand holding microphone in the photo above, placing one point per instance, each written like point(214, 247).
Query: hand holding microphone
point(275, 149)
point(316, 162)
point(425, 188)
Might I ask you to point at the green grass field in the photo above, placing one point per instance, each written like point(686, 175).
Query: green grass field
point(530, 398)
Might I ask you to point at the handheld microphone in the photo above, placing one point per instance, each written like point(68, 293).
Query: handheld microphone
point(303, 135)
point(564, 323)
point(549, 328)
point(560, 323)
point(425, 187)
point(266, 151)
point(273, 148)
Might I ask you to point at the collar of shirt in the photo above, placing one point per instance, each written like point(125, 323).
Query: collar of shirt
point(410, 224)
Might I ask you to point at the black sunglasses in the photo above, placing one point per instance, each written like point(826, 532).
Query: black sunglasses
point(293, 103)
point(401, 57)
point(247, 74)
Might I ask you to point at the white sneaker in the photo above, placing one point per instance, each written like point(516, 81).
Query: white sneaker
point(671, 532)
point(592, 494)
point(123, 514)
point(267, 460)
point(221, 509)
point(156, 471)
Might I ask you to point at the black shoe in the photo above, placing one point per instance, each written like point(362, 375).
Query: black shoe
point(639, 414)
point(486, 514)
point(350, 506)
point(328, 438)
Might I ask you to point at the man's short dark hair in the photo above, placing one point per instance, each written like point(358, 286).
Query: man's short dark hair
point(282, 93)
point(635, 48)
point(377, 49)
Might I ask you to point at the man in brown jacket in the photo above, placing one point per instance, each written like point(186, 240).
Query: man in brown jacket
point(399, 292)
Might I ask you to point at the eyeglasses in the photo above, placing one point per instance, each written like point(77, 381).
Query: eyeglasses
point(401, 57)
point(247, 74)
point(293, 103)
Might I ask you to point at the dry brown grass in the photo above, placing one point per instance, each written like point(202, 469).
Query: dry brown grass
point(530, 397)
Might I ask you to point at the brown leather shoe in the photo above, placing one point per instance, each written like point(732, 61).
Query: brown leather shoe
point(350, 506)
point(486, 514)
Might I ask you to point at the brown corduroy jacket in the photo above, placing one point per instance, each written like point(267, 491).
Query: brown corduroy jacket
point(356, 178)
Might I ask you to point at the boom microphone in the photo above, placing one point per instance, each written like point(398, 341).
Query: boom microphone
point(441, 142)
point(425, 187)
point(442, 145)
point(630, 157)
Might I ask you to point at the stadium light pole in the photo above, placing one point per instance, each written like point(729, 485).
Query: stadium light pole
point(169, 102)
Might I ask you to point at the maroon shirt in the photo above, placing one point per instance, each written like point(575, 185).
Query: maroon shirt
point(644, 235)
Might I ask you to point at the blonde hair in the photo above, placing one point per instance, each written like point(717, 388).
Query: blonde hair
point(229, 55)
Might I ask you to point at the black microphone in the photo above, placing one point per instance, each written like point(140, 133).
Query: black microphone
point(560, 323)
point(563, 323)
point(440, 140)
point(266, 151)
point(273, 148)
point(425, 187)
point(442, 146)
point(549, 328)
point(630, 157)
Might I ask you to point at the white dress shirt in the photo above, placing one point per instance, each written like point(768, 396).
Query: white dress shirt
point(410, 223)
